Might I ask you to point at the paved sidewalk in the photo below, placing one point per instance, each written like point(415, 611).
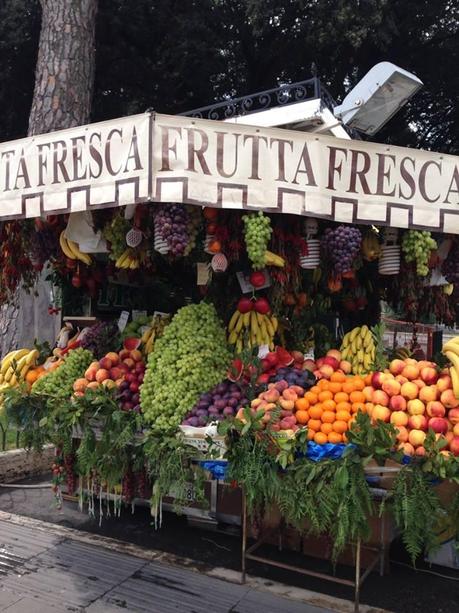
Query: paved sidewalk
point(46, 573)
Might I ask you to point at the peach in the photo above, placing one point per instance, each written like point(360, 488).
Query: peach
point(345, 366)
point(420, 451)
point(380, 412)
point(444, 383)
point(399, 418)
point(90, 374)
point(78, 394)
point(429, 375)
point(411, 372)
point(288, 405)
point(101, 375)
point(80, 385)
point(113, 357)
point(256, 403)
point(380, 397)
point(419, 382)
point(449, 399)
point(391, 387)
point(401, 379)
point(396, 366)
point(106, 363)
point(402, 434)
point(289, 394)
point(416, 407)
point(428, 393)
point(368, 393)
point(326, 371)
point(438, 424)
point(116, 373)
point(411, 362)
point(271, 395)
point(409, 390)
point(435, 409)
point(449, 436)
point(317, 374)
point(456, 429)
point(93, 385)
point(281, 385)
point(136, 355)
point(454, 446)
point(445, 453)
point(406, 448)
point(129, 362)
point(334, 353)
point(416, 437)
point(377, 380)
point(453, 416)
point(417, 422)
point(95, 365)
point(397, 403)
point(119, 381)
point(309, 365)
point(425, 364)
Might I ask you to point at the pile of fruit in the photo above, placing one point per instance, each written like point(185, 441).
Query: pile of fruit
point(252, 325)
point(223, 400)
point(59, 382)
point(15, 367)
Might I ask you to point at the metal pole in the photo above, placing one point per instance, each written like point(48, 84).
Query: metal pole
point(244, 532)
point(357, 577)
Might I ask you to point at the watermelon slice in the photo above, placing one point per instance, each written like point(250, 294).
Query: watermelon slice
point(235, 370)
point(283, 357)
point(271, 358)
point(132, 343)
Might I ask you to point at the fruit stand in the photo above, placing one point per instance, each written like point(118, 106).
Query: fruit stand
point(219, 350)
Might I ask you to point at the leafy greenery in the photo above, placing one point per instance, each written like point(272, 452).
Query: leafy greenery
point(374, 441)
point(24, 412)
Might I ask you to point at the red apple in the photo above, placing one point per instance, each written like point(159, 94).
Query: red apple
point(134, 387)
point(331, 361)
point(124, 353)
point(320, 362)
point(106, 363)
point(377, 380)
point(438, 424)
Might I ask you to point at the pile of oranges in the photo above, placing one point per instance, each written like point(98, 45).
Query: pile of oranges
point(329, 407)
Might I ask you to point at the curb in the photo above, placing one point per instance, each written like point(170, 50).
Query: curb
point(335, 605)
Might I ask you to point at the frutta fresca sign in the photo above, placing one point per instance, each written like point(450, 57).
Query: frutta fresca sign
point(162, 158)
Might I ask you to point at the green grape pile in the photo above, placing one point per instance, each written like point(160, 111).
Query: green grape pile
point(59, 383)
point(416, 246)
point(192, 356)
point(115, 233)
point(257, 232)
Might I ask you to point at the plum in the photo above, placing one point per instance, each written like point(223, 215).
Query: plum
point(193, 421)
point(228, 411)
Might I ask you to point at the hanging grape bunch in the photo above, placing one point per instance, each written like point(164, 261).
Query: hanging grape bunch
point(342, 245)
point(450, 266)
point(115, 233)
point(172, 222)
point(257, 232)
point(416, 246)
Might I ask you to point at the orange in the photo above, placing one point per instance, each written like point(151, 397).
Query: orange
point(326, 395)
point(338, 377)
point(367, 379)
point(32, 376)
point(315, 389)
point(343, 406)
point(311, 434)
point(329, 405)
point(348, 387)
point(341, 397)
point(323, 385)
point(359, 383)
point(314, 424)
point(302, 404)
point(326, 428)
point(316, 411)
point(302, 417)
point(335, 388)
point(357, 396)
point(311, 397)
point(334, 437)
point(343, 416)
point(320, 438)
point(328, 417)
point(345, 439)
point(340, 426)
point(358, 406)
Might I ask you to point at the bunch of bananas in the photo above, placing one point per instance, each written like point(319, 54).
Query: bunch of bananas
point(153, 331)
point(371, 249)
point(72, 251)
point(451, 351)
point(15, 365)
point(358, 348)
point(251, 329)
point(128, 260)
point(403, 353)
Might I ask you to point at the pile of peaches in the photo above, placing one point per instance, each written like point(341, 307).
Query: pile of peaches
point(415, 397)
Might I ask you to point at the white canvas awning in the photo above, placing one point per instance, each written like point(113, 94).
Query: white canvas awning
point(161, 158)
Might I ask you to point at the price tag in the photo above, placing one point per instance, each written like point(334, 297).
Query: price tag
point(138, 314)
point(122, 321)
point(202, 273)
point(309, 355)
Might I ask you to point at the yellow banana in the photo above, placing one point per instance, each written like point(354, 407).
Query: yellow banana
point(455, 381)
point(454, 359)
point(65, 247)
point(363, 331)
point(13, 355)
point(246, 319)
point(452, 346)
point(239, 322)
point(239, 345)
point(253, 322)
point(269, 326)
point(260, 318)
point(275, 323)
point(353, 334)
point(232, 337)
point(233, 320)
point(83, 257)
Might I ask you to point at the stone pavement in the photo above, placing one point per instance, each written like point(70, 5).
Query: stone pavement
point(47, 572)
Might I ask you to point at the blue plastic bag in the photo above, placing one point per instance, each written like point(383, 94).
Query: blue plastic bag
point(217, 468)
point(329, 451)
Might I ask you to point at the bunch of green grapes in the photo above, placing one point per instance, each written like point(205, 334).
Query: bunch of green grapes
point(192, 356)
point(59, 383)
point(115, 233)
point(257, 232)
point(416, 246)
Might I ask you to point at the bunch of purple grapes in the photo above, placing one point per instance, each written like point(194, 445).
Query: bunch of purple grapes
point(450, 266)
point(341, 246)
point(224, 400)
point(172, 222)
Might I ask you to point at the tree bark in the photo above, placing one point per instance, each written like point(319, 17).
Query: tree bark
point(64, 80)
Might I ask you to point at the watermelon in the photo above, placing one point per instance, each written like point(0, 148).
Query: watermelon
point(283, 357)
point(235, 370)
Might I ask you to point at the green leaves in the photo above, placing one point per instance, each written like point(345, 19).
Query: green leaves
point(378, 441)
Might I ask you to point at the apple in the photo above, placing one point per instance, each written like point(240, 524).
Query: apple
point(411, 372)
point(428, 393)
point(102, 374)
point(453, 416)
point(320, 362)
point(429, 375)
point(391, 387)
point(116, 373)
point(436, 409)
point(380, 412)
point(438, 424)
point(416, 407)
point(129, 362)
point(409, 390)
point(345, 366)
point(113, 357)
point(420, 451)
point(331, 361)
point(454, 445)
point(124, 353)
point(416, 437)
point(380, 397)
point(106, 363)
point(326, 370)
point(397, 403)
point(396, 367)
point(399, 418)
point(444, 383)
point(402, 434)
point(417, 422)
point(334, 353)
point(449, 399)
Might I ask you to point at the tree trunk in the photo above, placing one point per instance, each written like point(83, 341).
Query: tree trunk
point(64, 80)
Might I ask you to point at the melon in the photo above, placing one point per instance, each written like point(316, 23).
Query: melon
point(235, 370)
point(132, 343)
point(283, 357)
